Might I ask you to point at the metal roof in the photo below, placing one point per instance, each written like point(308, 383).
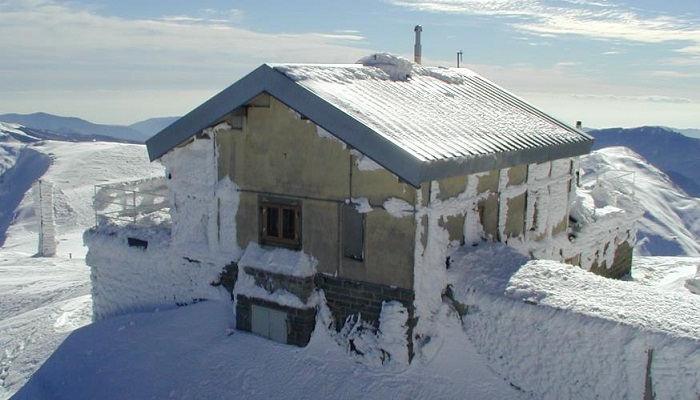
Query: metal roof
point(420, 123)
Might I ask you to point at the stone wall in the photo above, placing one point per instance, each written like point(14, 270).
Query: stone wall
point(347, 297)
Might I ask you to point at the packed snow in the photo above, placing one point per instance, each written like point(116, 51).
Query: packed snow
point(562, 332)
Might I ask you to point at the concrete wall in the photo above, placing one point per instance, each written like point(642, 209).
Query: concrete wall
point(276, 152)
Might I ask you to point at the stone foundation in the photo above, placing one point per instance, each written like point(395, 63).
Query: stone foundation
point(346, 297)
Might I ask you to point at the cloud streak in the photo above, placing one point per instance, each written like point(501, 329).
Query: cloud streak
point(594, 19)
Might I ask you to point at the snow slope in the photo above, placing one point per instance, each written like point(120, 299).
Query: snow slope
point(671, 222)
point(43, 299)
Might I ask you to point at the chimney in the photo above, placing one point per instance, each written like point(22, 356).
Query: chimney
point(417, 48)
point(579, 125)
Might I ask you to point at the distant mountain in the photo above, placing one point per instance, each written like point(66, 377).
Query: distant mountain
point(152, 126)
point(694, 133)
point(74, 129)
point(677, 155)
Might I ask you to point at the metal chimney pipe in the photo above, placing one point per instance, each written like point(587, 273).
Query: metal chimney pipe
point(579, 125)
point(417, 48)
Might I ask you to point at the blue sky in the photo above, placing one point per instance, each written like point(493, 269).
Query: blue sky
point(608, 63)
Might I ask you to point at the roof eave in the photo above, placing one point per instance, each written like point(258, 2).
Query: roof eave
point(489, 162)
point(207, 113)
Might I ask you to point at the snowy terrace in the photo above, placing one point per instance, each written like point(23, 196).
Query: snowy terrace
point(141, 203)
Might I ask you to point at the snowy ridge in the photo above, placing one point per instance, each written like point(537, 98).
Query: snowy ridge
point(670, 225)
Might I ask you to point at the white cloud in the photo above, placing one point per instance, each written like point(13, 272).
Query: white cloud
point(57, 37)
point(675, 74)
point(565, 64)
point(600, 20)
point(55, 57)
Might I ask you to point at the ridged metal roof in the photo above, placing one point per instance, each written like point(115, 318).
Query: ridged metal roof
point(421, 123)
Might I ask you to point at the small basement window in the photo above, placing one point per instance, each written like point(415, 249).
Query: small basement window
point(353, 233)
point(280, 224)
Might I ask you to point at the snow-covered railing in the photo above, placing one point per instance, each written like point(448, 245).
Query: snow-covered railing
point(130, 201)
point(619, 181)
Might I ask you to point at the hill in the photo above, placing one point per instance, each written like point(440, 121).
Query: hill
point(48, 126)
point(694, 133)
point(152, 126)
point(675, 154)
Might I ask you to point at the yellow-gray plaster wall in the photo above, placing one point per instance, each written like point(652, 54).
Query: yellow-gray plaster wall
point(276, 152)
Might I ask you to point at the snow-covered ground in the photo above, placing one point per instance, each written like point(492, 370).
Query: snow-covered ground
point(191, 352)
point(42, 300)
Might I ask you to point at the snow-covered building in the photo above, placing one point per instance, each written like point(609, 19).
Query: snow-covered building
point(359, 180)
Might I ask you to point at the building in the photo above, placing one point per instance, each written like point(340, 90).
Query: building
point(360, 180)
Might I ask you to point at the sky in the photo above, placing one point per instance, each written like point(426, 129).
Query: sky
point(605, 62)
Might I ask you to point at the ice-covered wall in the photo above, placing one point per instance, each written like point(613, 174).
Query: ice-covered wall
point(563, 333)
point(178, 258)
point(532, 213)
point(44, 203)
point(203, 208)
point(133, 278)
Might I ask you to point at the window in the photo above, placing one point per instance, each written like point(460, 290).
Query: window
point(353, 233)
point(280, 223)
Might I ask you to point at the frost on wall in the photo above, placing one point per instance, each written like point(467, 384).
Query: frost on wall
point(203, 209)
point(178, 258)
point(127, 279)
point(43, 202)
point(385, 347)
point(538, 201)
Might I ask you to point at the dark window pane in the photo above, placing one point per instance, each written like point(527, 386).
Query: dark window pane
point(353, 233)
point(288, 224)
point(272, 223)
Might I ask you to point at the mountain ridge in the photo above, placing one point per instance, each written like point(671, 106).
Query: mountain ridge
point(669, 150)
point(59, 128)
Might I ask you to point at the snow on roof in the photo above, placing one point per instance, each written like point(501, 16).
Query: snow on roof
point(420, 123)
point(433, 113)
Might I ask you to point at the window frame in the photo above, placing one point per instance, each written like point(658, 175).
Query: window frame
point(280, 239)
